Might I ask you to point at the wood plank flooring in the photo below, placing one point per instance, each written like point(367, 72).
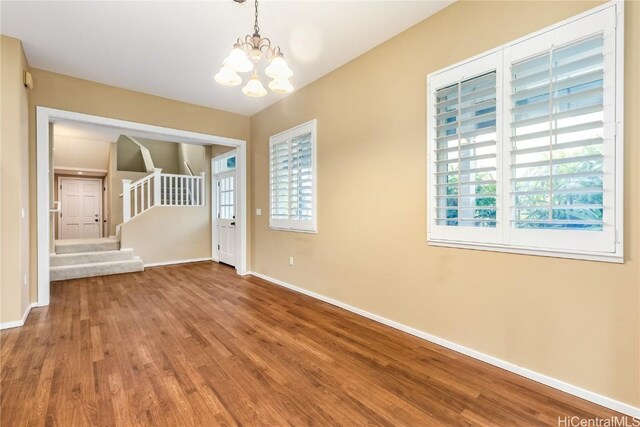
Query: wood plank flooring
point(198, 345)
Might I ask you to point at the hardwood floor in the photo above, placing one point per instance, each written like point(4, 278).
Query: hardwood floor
point(198, 345)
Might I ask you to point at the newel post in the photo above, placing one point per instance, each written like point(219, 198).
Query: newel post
point(157, 183)
point(126, 200)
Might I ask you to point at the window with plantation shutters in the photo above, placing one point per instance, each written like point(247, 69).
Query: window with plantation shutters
point(292, 179)
point(525, 144)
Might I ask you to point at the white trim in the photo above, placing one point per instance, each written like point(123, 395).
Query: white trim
point(519, 370)
point(17, 323)
point(56, 168)
point(619, 133)
point(45, 115)
point(180, 261)
point(556, 253)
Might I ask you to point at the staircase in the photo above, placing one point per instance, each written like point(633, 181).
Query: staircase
point(74, 259)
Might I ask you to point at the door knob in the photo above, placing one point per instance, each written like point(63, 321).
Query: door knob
point(233, 223)
point(96, 219)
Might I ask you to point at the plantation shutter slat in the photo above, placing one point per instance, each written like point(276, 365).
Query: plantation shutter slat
point(472, 146)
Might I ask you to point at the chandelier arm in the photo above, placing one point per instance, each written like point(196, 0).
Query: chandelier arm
point(265, 47)
point(247, 44)
point(275, 51)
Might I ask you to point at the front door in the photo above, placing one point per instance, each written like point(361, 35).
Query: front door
point(80, 208)
point(226, 217)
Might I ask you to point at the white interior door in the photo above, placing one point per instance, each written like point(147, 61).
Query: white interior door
point(80, 208)
point(226, 217)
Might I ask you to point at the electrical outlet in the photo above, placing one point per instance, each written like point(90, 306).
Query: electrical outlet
point(290, 260)
point(258, 212)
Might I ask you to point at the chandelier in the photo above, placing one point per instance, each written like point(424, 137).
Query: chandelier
point(246, 56)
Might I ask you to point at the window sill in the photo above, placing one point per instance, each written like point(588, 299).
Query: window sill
point(294, 230)
point(617, 258)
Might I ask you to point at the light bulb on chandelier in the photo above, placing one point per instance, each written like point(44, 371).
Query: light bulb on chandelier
point(228, 77)
point(254, 87)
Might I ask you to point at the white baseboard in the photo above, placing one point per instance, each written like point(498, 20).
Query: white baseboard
point(17, 323)
point(180, 261)
point(527, 373)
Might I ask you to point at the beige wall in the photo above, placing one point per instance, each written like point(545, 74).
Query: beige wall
point(218, 150)
point(164, 154)
point(576, 321)
point(128, 156)
point(194, 155)
point(14, 185)
point(188, 237)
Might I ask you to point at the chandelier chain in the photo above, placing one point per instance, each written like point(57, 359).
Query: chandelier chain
point(256, 28)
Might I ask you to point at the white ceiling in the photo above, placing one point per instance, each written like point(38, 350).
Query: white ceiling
point(173, 49)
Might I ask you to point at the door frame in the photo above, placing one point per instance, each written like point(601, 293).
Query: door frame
point(215, 238)
point(46, 115)
point(84, 178)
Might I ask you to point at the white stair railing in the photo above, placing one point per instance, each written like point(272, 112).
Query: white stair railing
point(161, 189)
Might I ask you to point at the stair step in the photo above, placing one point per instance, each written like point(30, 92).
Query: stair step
point(74, 246)
point(90, 257)
point(66, 272)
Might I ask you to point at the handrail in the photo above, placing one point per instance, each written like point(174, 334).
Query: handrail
point(58, 207)
point(177, 174)
point(146, 154)
point(142, 180)
point(186, 164)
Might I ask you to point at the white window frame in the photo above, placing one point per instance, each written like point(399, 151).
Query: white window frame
point(537, 241)
point(296, 225)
